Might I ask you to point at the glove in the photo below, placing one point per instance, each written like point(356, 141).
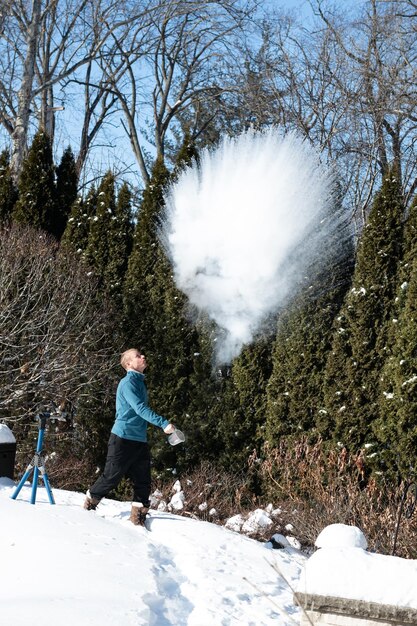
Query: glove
point(169, 429)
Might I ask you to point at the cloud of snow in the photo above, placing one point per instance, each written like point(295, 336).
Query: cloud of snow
point(242, 227)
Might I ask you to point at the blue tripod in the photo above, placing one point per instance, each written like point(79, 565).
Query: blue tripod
point(37, 464)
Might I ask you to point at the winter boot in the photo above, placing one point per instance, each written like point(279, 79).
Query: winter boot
point(138, 514)
point(90, 503)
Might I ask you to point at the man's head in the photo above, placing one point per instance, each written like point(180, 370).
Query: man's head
point(133, 359)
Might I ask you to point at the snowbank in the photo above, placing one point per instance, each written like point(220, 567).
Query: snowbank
point(343, 568)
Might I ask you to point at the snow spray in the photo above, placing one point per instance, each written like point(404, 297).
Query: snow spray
point(243, 225)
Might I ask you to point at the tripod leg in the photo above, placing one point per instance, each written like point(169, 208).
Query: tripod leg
point(47, 485)
point(34, 484)
point(22, 481)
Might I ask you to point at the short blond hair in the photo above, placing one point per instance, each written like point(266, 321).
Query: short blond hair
point(126, 356)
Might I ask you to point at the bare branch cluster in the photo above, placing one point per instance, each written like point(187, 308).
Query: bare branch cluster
point(53, 340)
point(143, 59)
point(347, 83)
point(143, 72)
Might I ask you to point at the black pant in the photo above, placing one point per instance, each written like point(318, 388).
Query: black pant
point(125, 458)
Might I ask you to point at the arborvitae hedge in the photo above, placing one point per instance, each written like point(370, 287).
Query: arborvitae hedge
point(100, 234)
point(360, 341)
point(77, 230)
point(396, 429)
point(343, 370)
point(66, 191)
point(296, 403)
point(36, 205)
point(120, 244)
point(140, 276)
point(241, 413)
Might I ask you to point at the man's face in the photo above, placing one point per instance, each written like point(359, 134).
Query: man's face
point(137, 362)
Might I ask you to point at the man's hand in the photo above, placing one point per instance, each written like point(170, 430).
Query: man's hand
point(169, 429)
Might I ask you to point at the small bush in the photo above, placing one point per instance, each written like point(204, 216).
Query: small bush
point(317, 486)
point(208, 487)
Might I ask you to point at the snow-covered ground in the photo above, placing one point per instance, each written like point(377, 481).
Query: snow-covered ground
point(61, 565)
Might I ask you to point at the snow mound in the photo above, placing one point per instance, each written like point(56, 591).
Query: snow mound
point(257, 521)
point(338, 571)
point(341, 536)
point(6, 435)
point(235, 523)
point(361, 575)
point(177, 502)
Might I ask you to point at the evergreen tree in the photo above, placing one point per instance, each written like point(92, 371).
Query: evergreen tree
point(102, 232)
point(284, 359)
point(97, 253)
point(66, 191)
point(8, 191)
point(359, 347)
point(396, 429)
point(99, 229)
point(120, 244)
point(140, 277)
point(242, 410)
point(36, 205)
point(187, 155)
point(302, 345)
point(295, 404)
point(77, 230)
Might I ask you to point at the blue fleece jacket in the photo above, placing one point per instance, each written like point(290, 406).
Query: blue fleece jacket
point(132, 410)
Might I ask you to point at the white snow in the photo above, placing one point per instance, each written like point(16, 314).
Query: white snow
point(257, 520)
point(62, 565)
point(6, 435)
point(388, 395)
point(341, 536)
point(235, 522)
point(343, 568)
point(177, 501)
point(409, 381)
point(359, 575)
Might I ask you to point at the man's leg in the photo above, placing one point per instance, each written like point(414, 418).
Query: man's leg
point(119, 457)
point(140, 473)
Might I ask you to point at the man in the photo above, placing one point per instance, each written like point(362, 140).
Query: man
point(128, 452)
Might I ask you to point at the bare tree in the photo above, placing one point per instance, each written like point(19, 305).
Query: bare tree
point(183, 63)
point(150, 60)
point(44, 43)
point(378, 55)
point(54, 342)
point(347, 83)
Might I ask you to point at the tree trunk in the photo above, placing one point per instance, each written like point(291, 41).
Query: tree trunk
point(19, 136)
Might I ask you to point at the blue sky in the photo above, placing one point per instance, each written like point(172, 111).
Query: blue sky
point(304, 5)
